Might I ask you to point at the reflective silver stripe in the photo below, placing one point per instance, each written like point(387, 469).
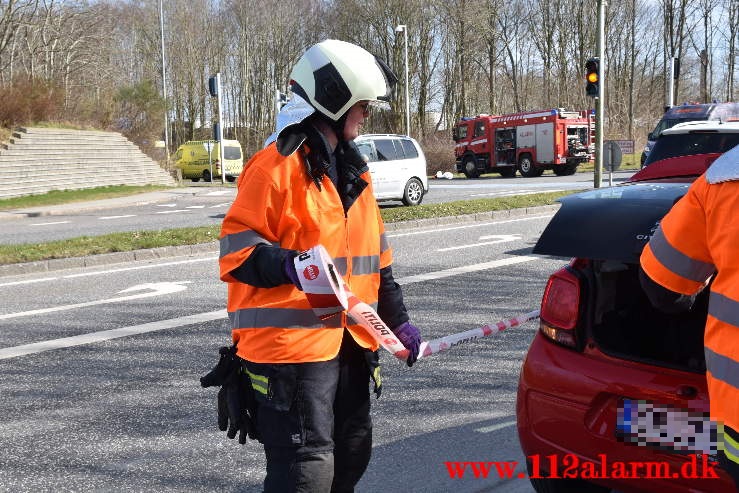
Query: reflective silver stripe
point(678, 262)
point(286, 318)
point(340, 263)
point(723, 368)
point(238, 241)
point(369, 264)
point(384, 243)
point(724, 309)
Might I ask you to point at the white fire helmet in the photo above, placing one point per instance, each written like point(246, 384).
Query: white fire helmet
point(333, 75)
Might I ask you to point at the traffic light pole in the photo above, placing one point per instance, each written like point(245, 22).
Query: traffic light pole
point(600, 100)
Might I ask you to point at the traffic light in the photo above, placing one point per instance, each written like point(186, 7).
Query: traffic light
point(592, 78)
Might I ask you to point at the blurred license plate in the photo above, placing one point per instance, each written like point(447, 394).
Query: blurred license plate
point(651, 425)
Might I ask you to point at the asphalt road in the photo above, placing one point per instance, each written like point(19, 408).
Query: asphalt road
point(127, 413)
point(206, 205)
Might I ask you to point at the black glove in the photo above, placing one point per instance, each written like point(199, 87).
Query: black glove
point(236, 403)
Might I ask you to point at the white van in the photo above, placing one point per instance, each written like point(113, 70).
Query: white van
point(397, 166)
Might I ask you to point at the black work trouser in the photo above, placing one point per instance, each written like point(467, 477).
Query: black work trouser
point(314, 422)
point(727, 464)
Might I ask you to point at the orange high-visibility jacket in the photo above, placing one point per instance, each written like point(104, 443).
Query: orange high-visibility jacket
point(697, 238)
point(279, 204)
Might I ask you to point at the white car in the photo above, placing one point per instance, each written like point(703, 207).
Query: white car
point(397, 165)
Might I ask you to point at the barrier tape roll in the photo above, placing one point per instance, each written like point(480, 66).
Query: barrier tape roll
point(321, 282)
point(328, 295)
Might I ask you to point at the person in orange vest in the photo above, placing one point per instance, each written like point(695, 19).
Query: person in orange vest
point(697, 242)
point(309, 378)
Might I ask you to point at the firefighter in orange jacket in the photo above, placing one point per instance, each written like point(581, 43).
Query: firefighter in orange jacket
point(309, 186)
point(698, 239)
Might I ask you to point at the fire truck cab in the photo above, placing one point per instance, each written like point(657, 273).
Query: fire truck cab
point(530, 142)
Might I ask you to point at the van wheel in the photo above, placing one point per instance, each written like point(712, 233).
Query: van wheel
point(527, 168)
point(206, 175)
point(195, 180)
point(413, 194)
point(230, 179)
point(470, 167)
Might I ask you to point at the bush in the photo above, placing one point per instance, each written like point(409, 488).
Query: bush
point(439, 151)
point(26, 101)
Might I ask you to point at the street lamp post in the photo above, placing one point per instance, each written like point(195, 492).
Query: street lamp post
point(164, 84)
point(402, 28)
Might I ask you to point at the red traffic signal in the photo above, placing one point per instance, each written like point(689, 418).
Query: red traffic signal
point(592, 78)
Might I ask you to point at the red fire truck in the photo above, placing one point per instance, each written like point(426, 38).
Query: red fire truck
point(531, 142)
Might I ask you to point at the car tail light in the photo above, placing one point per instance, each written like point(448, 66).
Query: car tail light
point(560, 307)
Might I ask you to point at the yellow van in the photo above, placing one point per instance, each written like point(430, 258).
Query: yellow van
point(192, 158)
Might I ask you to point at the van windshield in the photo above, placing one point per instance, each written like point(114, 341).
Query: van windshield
point(231, 152)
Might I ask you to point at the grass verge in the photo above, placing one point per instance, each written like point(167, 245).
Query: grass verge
point(123, 242)
point(55, 197)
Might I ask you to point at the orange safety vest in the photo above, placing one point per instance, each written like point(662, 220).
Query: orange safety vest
point(697, 238)
point(279, 204)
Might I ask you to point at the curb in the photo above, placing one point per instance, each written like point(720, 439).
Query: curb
point(213, 246)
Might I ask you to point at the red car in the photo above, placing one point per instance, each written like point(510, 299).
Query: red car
point(612, 393)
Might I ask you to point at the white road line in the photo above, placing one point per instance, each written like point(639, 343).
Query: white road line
point(105, 335)
point(166, 205)
point(220, 205)
point(220, 192)
point(104, 218)
point(430, 276)
point(500, 239)
point(474, 225)
point(172, 212)
point(195, 207)
point(138, 267)
point(503, 192)
point(499, 426)
point(49, 224)
point(29, 281)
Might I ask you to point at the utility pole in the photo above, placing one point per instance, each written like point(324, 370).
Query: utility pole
point(600, 100)
point(164, 83)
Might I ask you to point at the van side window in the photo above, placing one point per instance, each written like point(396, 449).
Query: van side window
point(385, 150)
point(409, 148)
point(367, 151)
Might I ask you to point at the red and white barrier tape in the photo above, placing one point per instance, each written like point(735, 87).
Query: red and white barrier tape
point(447, 342)
point(329, 295)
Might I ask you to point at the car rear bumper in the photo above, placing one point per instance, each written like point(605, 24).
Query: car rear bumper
point(568, 404)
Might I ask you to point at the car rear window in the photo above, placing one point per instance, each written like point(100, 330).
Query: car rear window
point(669, 146)
point(409, 149)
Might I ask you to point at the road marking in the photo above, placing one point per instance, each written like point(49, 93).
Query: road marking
point(475, 225)
point(157, 289)
point(195, 207)
point(29, 281)
point(106, 335)
point(38, 347)
point(503, 192)
point(431, 276)
point(498, 239)
point(220, 205)
point(49, 224)
point(220, 192)
point(104, 218)
point(172, 212)
point(499, 426)
point(166, 205)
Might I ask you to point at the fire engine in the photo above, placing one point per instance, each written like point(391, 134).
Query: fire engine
point(531, 142)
